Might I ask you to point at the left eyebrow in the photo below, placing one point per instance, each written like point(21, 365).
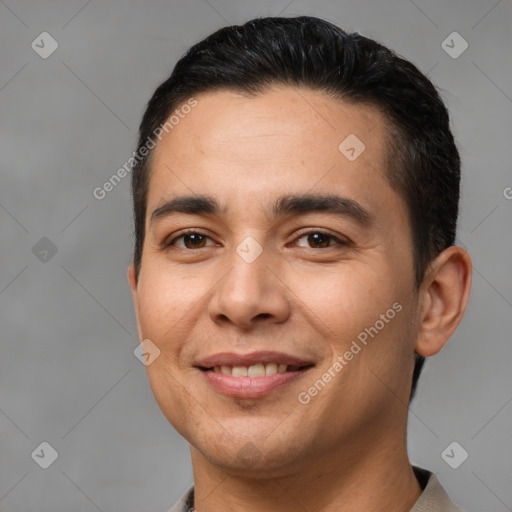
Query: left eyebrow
point(283, 206)
point(330, 203)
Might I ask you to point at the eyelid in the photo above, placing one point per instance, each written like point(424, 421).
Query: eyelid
point(343, 241)
point(170, 240)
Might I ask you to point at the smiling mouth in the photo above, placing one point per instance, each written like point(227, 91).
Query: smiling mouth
point(255, 370)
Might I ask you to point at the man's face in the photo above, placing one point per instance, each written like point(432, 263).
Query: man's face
point(302, 285)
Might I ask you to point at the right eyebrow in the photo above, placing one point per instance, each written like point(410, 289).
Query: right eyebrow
point(195, 204)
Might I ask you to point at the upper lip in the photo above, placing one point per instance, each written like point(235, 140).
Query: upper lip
point(249, 359)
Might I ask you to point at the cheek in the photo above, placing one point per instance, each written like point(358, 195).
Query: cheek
point(362, 313)
point(345, 300)
point(164, 298)
point(166, 314)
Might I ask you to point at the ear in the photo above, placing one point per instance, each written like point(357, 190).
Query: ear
point(444, 297)
point(132, 281)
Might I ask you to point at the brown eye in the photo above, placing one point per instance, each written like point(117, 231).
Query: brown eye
point(190, 240)
point(320, 240)
point(195, 240)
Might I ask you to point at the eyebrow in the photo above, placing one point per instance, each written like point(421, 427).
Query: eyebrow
point(284, 205)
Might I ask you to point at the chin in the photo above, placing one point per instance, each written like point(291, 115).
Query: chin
point(249, 449)
point(249, 459)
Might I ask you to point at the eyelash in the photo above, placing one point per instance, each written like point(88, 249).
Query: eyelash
point(342, 243)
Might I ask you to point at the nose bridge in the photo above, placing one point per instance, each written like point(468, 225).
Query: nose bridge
point(250, 289)
point(247, 281)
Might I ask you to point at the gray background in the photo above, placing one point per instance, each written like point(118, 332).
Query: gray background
point(68, 375)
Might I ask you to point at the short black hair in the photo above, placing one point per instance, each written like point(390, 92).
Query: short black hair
point(423, 163)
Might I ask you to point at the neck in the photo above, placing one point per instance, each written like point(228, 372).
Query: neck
point(371, 479)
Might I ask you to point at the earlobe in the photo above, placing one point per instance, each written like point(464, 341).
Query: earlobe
point(444, 297)
point(132, 281)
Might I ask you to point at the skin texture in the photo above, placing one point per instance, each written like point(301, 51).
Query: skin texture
point(346, 448)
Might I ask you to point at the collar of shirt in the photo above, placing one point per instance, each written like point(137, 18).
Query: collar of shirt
point(432, 499)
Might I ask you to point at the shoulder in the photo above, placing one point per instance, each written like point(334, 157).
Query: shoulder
point(433, 498)
point(185, 503)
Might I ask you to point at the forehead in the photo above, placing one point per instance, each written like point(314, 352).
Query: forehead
point(284, 139)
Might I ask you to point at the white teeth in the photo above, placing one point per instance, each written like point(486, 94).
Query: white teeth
point(271, 369)
point(239, 371)
point(256, 370)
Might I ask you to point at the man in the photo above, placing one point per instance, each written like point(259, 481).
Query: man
point(296, 197)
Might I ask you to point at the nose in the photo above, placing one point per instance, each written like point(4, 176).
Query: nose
point(251, 293)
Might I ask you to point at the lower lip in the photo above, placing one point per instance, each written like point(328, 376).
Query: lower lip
point(250, 387)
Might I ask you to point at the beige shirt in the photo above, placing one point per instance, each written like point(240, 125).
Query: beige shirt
point(432, 499)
